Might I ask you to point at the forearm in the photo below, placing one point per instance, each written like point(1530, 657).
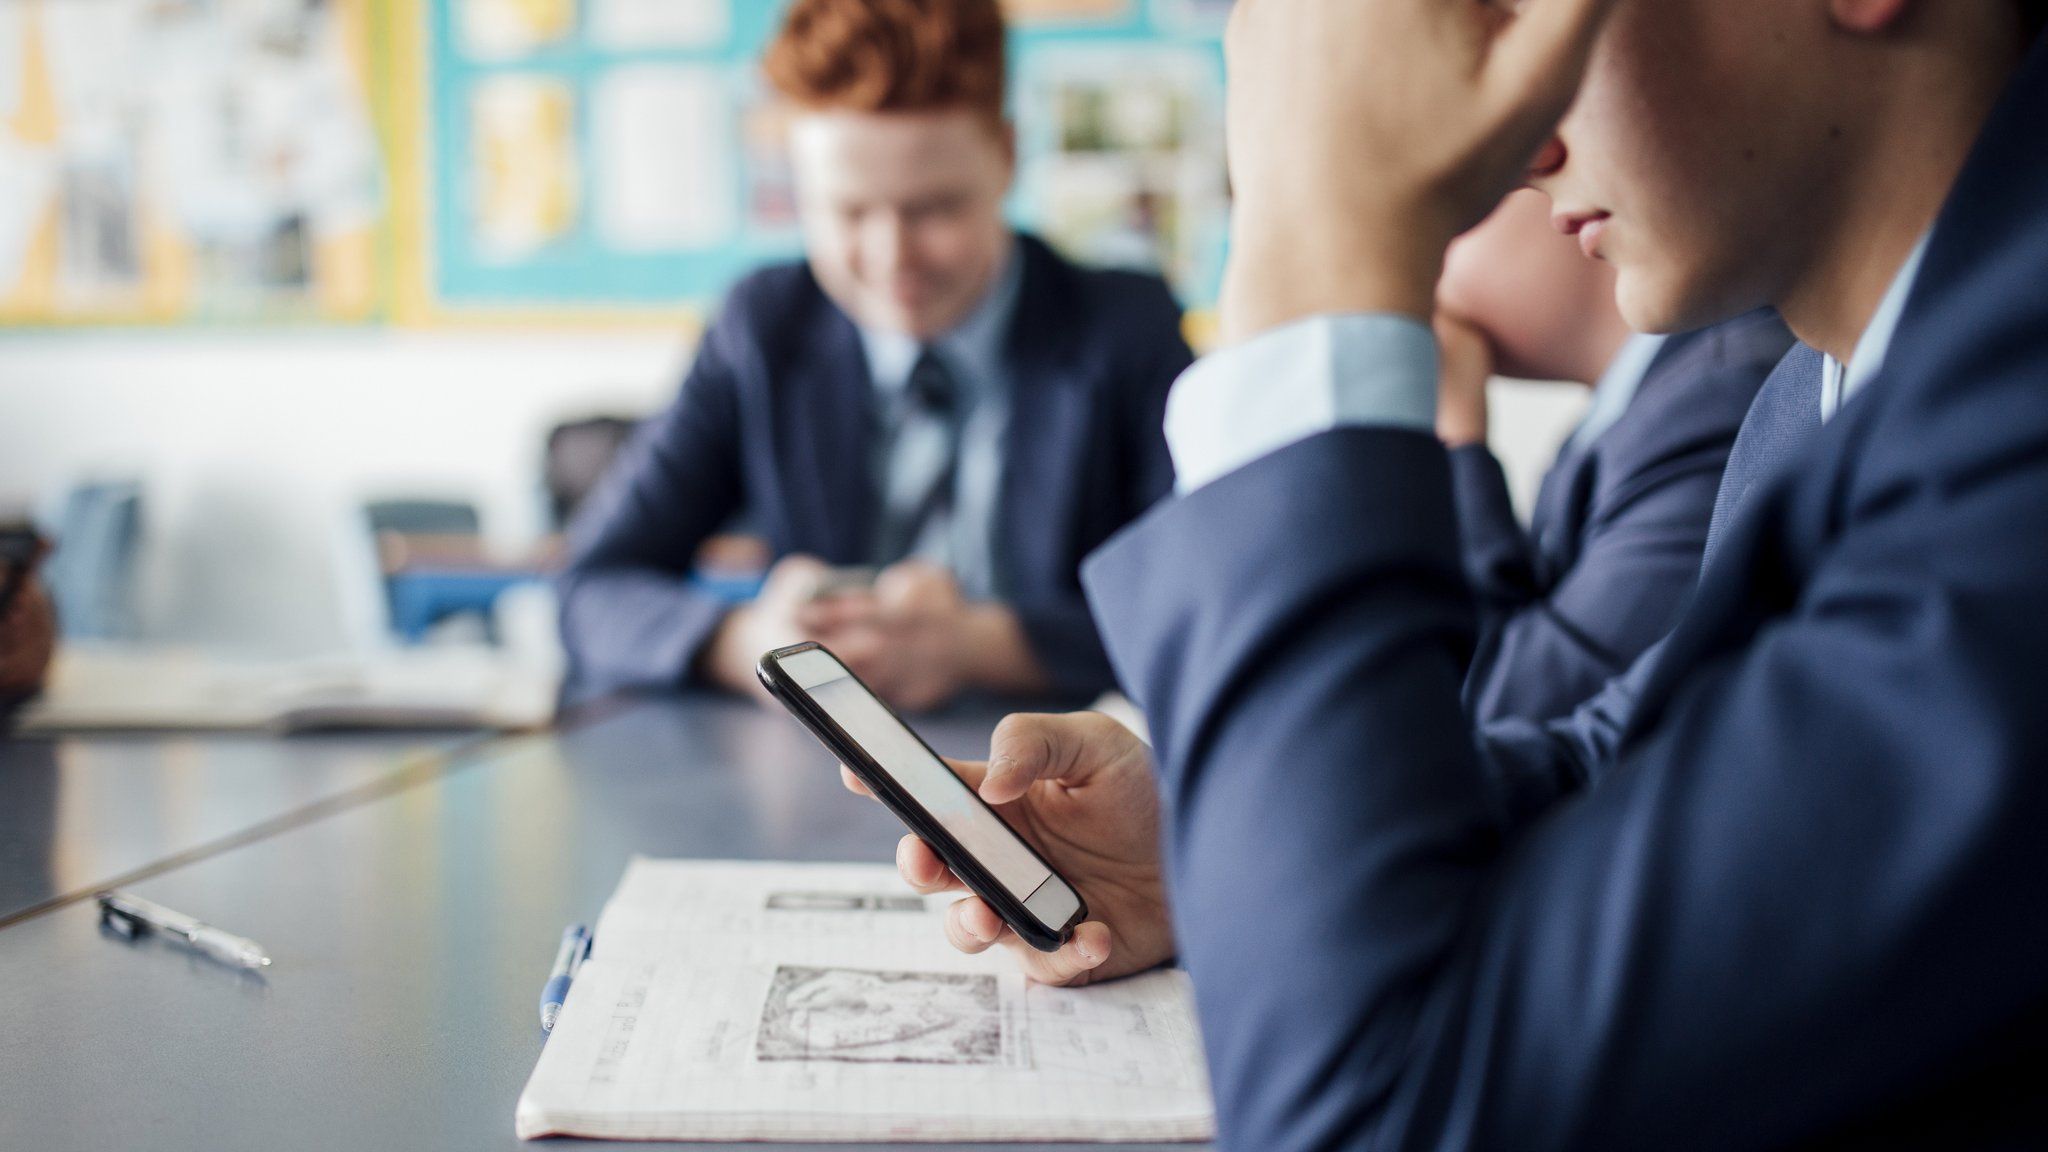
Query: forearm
point(1536, 765)
point(1585, 980)
point(627, 627)
point(728, 658)
point(1306, 729)
point(1066, 643)
point(1350, 266)
point(995, 654)
point(1499, 560)
point(1549, 646)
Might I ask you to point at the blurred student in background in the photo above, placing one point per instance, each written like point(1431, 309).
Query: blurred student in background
point(28, 620)
point(1612, 552)
point(929, 394)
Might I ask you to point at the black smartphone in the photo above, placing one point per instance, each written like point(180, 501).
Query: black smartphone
point(909, 778)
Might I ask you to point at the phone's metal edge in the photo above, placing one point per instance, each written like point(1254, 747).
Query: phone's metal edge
point(970, 871)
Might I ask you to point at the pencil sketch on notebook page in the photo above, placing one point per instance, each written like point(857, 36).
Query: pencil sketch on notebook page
point(812, 1002)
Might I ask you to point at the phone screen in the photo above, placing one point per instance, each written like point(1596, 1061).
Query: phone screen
point(931, 784)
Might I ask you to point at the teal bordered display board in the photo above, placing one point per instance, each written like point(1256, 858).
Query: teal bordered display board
point(592, 155)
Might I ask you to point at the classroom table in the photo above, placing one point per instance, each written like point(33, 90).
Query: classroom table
point(83, 812)
point(410, 935)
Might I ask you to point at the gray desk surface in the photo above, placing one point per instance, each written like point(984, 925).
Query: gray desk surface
point(81, 812)
point(411, 935)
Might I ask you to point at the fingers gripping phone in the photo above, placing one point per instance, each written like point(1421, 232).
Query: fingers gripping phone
point(910, 779)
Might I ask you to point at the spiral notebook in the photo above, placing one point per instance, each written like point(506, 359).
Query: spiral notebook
point(746, 1001)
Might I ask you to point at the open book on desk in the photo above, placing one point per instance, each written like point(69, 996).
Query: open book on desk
point(113, 688)
point(735, 1001)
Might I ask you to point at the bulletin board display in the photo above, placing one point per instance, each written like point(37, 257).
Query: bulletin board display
point(170, 161)
point(621, 158)
point(431, 162)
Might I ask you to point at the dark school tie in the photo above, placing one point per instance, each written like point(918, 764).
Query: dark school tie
point(924, 449)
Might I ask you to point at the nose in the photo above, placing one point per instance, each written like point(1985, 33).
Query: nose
point(887, 244)
point(1548, 162)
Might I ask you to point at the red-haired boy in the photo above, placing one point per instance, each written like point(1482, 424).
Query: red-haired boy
point(929, 394)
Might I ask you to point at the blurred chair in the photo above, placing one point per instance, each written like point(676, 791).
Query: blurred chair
point(578, 454)
point(431, 562)
point(457, 519)
point(91, 574)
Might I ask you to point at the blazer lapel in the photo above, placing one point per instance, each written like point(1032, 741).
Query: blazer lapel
point(1560, 509)
point(825, 435)
point(1043, 466)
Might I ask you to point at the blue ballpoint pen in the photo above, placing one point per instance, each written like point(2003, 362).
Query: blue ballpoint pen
point(568, 958)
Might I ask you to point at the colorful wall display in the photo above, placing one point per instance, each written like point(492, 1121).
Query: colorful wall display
point(483, 161)
point(187, 160)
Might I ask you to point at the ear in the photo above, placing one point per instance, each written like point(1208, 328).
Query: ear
point(1867, 16)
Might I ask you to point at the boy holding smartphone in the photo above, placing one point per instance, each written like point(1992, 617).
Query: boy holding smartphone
point(930, 393)
point(1795, 901)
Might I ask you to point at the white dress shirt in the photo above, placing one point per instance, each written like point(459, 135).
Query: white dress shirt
point(1617, 387)
point(1838, 381)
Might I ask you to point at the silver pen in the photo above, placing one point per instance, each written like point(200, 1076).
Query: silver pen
point(132, 916)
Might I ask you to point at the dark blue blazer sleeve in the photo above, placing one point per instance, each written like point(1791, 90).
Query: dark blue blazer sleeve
point(1550, 747)
point(1147, 475)
point(1548, 640)
point(1800, 908)
point(1627, 521)
point(1773, 914)
point(1500, 560)
point(629, 616)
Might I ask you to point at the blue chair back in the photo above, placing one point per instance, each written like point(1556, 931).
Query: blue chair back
point(91, 575)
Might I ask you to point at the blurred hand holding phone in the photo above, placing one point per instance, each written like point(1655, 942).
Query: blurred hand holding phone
point(844, 581)
point(909, 632)
point(28, 620)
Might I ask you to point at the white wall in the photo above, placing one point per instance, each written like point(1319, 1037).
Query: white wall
point(253, 447)
point(1528, 421)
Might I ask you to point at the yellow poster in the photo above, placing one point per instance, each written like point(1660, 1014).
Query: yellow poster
point(509, 29)
point(1048, 11)
point(523, 164)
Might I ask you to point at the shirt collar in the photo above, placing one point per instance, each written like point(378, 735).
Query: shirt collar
point(1840, 382)
point(1617, 387)
point(973, 348)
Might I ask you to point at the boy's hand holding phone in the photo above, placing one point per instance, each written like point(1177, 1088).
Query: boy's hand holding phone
point(1079, 809)
point(907, 630)
point(778, 615)
point(915, 616)
point(918, 641)
point(1079, 788)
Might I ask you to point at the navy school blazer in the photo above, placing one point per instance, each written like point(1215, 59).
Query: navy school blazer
point(777, 418)
point(1802, 906)
point(1612, 551)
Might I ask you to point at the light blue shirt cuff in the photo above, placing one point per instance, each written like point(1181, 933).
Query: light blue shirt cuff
point(1357, 370)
